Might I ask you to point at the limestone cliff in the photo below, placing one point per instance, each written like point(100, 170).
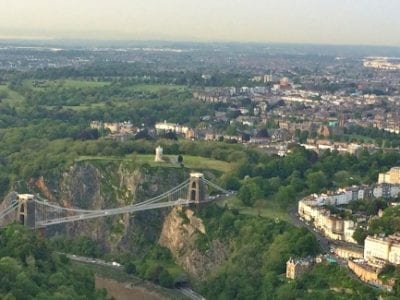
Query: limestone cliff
point(108, 184)
point(94, 185)
point(179, 233)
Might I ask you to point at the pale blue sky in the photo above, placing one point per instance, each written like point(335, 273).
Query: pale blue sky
point(293, 21)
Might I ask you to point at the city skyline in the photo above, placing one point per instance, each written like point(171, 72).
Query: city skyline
point(302, 21)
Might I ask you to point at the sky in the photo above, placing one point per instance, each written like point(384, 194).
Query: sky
point(370, 22)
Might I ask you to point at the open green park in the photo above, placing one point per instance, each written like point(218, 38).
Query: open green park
point(189, 162)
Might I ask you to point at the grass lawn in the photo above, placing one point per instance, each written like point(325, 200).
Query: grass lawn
point(190, 162)
point(156, 87)
point(71, 83)
point(83, 106)
point(266, 209)
point(67, 83)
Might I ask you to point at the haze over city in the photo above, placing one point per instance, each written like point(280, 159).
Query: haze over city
point(369, 22)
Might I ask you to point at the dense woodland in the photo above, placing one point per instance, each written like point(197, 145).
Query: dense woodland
point(31, 270)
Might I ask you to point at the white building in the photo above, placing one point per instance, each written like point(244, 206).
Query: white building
point(166, 127)
point(331, 225)
point(382, 248)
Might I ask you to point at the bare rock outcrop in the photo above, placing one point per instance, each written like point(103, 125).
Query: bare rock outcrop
point(180, 231)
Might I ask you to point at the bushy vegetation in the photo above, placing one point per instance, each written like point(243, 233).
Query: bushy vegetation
point(380, 137)
point(256, 266)
point(388, 224)
point(29, 270)
point(82, 245)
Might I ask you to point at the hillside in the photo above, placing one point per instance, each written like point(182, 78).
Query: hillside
point(30, 270)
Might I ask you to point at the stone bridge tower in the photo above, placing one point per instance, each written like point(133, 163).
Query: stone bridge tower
point(26, 210)
point(197, 191)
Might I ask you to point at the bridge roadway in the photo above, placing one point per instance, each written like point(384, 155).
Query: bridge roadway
point(111, 212)
point(46, 213)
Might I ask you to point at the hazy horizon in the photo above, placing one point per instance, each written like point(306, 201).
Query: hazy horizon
point(340, 22)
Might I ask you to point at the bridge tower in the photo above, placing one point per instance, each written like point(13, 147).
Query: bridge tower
point(197, 188)
point(26, 210)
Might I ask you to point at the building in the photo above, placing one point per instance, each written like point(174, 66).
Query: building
point(368, 273)
point(268, 78)
point(347, 253)
point(165, 127)
point(296, 267)
point(391, 177)
point(332, 226)
point(159, 154)
point(115, 128)
point(386, 249)
point(222, 137)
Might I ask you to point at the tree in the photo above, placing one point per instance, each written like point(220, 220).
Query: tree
point(316, 181)
point(249, 192)
point(245, 195)
point(180, 159)
point(165, 279)
point(231, 182)
point(285, 195)
point(130, 268)
point(359, 235)
point(343, 178)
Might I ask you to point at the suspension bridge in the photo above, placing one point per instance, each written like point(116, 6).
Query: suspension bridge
point(36, 212)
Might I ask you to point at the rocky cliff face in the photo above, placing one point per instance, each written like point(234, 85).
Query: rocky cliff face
point(180, 231)
point(97, 185)
point(91, 185)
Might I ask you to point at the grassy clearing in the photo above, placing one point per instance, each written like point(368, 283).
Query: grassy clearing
point(66, 83)
point(154, 88)
point(70, 83)
point(82, 107)
point(190, 162)
point(266, 209)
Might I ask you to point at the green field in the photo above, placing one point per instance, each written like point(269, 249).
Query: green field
point(82, 107)
point(190, 162)
point(266, 209)
point(66, 83)
point(156, 87)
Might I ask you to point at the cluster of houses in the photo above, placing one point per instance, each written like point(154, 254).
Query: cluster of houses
point(115, 127)
point(314, 209)
point(165, 127)
point(379, 250)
